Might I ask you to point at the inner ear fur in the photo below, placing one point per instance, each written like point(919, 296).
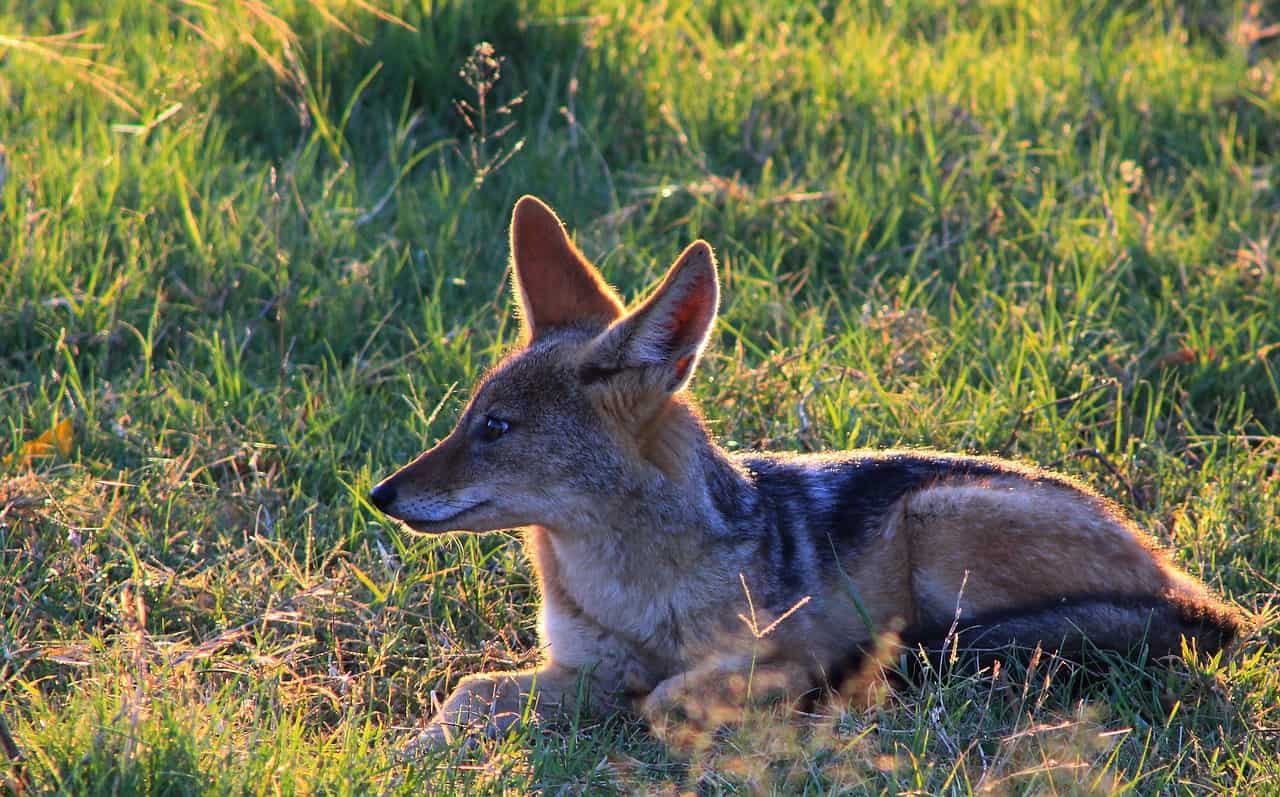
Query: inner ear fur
point(553, 282)
point(666, 334)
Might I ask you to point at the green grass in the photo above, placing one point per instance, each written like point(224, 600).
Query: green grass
point(257, 260)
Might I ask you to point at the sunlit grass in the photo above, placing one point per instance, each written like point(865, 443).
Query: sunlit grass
point(256, 255)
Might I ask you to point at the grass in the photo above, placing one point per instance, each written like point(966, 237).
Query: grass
point(255, 256)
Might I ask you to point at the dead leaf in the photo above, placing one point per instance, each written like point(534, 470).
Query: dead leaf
point(57, 439)
point(1185, 356)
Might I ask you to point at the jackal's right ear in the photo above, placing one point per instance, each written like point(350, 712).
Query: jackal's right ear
point(552, 281)
point(662, 339)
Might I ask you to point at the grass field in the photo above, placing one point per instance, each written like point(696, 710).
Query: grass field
point(253, 258)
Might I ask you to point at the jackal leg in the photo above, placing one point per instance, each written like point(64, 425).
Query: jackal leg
point(493, 703)
point(1032, 563)
point(686, 708)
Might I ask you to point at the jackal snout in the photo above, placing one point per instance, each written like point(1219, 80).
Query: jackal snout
point(383, 494)
point(423, 493)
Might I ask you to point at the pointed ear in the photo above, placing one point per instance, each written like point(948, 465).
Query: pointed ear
point(552, 281)
point(665, 335)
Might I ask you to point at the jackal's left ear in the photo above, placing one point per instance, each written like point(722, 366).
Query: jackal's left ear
point(666, 334)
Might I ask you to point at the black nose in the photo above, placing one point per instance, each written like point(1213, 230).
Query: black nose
point(382, 495)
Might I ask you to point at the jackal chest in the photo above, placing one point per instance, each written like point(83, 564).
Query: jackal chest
point(644, 615)
point(589, 593)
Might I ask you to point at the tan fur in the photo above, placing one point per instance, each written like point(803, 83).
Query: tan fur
point(883, 578)
point(992, 534)
point(669, 438)
point(670, 569)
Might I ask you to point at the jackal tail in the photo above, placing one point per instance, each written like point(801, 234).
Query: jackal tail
point(1144, 626)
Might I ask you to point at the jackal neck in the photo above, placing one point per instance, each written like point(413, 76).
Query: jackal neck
point(656, 553)
point(690, 492)
point(675, 440)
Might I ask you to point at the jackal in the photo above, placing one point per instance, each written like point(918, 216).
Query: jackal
point(648, 539)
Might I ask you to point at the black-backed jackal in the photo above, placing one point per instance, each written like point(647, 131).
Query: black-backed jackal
point(646, 535)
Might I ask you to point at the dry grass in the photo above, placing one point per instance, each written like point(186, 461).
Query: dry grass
point(255, 256)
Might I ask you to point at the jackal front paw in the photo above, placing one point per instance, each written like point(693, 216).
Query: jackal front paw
point(435, 738)
point(443, 734)
point(483, 706)
point(696, 702)
point(689, 710)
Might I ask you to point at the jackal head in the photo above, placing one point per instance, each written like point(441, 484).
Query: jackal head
point(584, 413)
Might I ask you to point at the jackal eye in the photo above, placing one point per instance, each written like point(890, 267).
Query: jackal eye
point(493, 428)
